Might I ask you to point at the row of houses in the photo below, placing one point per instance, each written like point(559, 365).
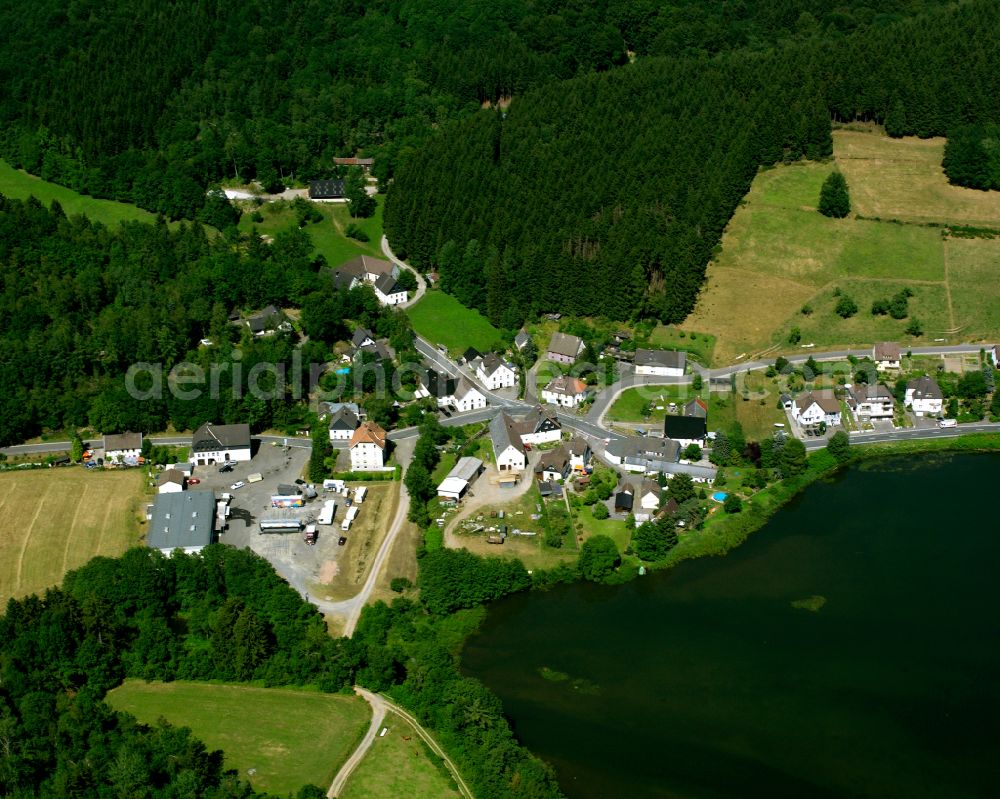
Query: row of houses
point(868, 402)
point(512, 439)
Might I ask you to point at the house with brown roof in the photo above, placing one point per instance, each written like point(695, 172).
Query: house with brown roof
point(579, 454)
point(553, 465)
point(364, 163)
point(814, 407)
point(564, 348)
point(886, 355)
point(381, 275)
point(872, 402)
point(565, 391)
point(170, 481)
point(123, 448)
point(367, 448)
point(495, 373)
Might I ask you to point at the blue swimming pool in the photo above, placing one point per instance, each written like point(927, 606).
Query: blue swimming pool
point(346, 370)
point(720, 496)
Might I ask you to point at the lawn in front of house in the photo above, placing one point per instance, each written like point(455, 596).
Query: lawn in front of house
point(441, 319)
point(289, 738)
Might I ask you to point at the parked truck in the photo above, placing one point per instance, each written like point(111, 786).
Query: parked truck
point(359, 494)
point(287, 501)
point(310, 535)
point(327, 513)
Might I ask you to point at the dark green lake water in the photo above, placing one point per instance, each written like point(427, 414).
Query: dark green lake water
point(707, 682)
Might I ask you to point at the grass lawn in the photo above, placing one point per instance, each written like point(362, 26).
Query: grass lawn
point(17, 184)
point(400, 764)
point(442, 319)
point(586, 525)
point(779, 254)
point(700, 347)
point(291, 738)
point(633, 402)
point(58, 519)
point(328, 237)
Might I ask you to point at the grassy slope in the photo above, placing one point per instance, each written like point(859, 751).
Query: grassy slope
point(17, 184)
point(400, 764)
point(778, 253)
point(290, 737)
point(56, 520)
point(328, 236)
point(442, 319)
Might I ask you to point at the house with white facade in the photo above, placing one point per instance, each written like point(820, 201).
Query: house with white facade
point(662, 363)
point(647, 500)
point(872, 402)
point(448, 391)
point(183, 520)
point(494, 373)
point(685, 429)
point(220, 443)
point(886, 355)
point(644, 454)
point(367, 448)
point(539, 427)
point(342, 424)
point(388, 291)
point(123, 448)
point(564, 348)
point(467, 397)
point(381, 275)
point(994, 355)
point(268, 322)
point(924, 396)
point(565, 391)
point(814, 407)
point(507, 445)
point(553, 465)
point(170, 481)
point(579, 454)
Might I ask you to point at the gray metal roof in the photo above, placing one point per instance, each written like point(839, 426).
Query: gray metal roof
point(566, 345)
point(673, 359)
point(120, 441)
point(504, 434)
point(184, 519)
point(466, 468)
point(326, 189)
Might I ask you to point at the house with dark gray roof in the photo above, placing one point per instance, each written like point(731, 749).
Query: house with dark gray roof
point(220, 443)
point(685, 429)
point(645, 454)
point(182, 520)
point(388, 290)
point(521, 340)
point(362, 338)
point(662, 363)
point(539, 426)
point(564, 348)
point(342, 424)
point(381, 275)
point(495, 373)
point(326, 190)
point(924, 396)
point(507, 445)
point(553, 464)
point(814, 407)
point(269, 321)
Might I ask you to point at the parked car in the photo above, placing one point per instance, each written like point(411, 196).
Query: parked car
point(948, 423)
point(193, 481)
point(226, 467)
point(238, 484)
point(300, 482)
point(342, 540)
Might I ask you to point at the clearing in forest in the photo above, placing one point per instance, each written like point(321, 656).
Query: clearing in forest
point(278, 739)
point(442, 319)
point(54, 520)
point(779, 255)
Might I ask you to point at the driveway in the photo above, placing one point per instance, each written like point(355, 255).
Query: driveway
point(485, 494)
point(421, 283)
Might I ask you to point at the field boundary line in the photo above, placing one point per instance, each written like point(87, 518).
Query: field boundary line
point(72, 527)
point(947, 283)
point(104, 527)
point(27, 535)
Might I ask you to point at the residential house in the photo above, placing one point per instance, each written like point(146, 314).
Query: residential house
point(123, 448)
point(469, 357)
point(367, 446)
point(182, 520)
point(364, 163)
point(507, 445)
point(579, 454)
point(565, 391)
point(649, 500)
point(379, 351)
point(170, 481)
point(872, 402)
point(886, 355)
point(333, 407)
point(327, 190)
point(448, 391)
point(494, 373)
point(924, 396)
point(696, 407)
point(785, 401)
point(539, 427)
point(388, 291)
point(553, 465)
point(362, 338)
point(268, 321)
point(685, 429)
point(564, 348)
point(549, 490)
point(994, 354)
point(219, 443)
point(468, 397)
point(521, 340)
point(342, 424)
point(644, 454)
point(662, 363)
point(814, 407)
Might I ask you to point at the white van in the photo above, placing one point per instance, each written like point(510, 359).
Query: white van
point(948, 423)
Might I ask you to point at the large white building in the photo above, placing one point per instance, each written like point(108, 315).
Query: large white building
point(872, 402)
point(367, 448)
point(507, 445)
point(661, 363)
point(183, 520)
point(448, 391)
point(381, 275)
point(494, 373)
point(924, 396)
point(539, 427)
point(219, 443)
point(565, 391)
point(343, 422)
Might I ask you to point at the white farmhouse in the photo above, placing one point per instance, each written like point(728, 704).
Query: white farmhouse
point(494, 373)
point(507, 446)
point(343, 422)
point(219, 443)
point(123, 448)
point(170, 481)
point(924, 396)
point(661, 363)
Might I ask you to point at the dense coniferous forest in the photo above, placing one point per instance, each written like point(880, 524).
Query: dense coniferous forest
point(82, 303)
point(972, 156)
point(151, 102)
point(606, 194)
point(225, 615)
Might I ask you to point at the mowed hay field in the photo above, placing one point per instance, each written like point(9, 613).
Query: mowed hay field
point(289, 738)
point(54, 520)
point(779, 254)
point(442, 319)
point(400, 764)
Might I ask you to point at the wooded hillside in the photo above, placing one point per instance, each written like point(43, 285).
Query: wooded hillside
point(606, 194)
